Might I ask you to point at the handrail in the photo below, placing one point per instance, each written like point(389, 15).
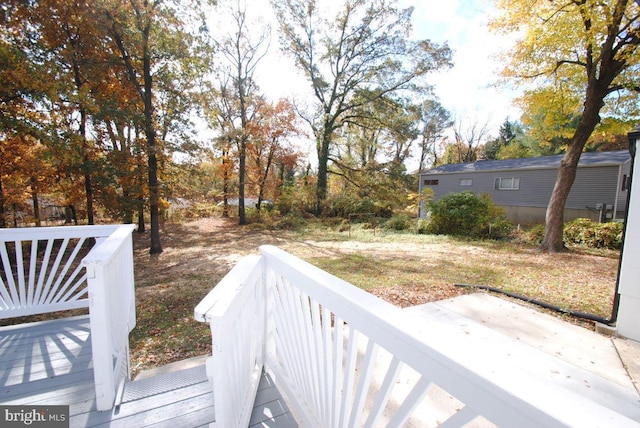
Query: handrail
point(41, 269)
point(336, 353)
point(56, 232)
point(235, 311)
point(333, 312)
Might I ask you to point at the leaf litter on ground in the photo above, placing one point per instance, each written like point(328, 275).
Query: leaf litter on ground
point(401, 268)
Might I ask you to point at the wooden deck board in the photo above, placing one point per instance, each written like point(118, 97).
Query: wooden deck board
point(49, 363)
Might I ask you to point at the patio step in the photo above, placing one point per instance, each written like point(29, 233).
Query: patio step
point(173, 367)
point(163, 382)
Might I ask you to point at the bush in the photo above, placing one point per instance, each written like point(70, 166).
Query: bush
point(500, 228)
point(422, 226)
point(297, 200)
point(191, 211)
point(588, 233)
point(344, 205)
point(268, 221)
point(290, 222)
point(534, 234)
point(467, 214)
point(398, 222)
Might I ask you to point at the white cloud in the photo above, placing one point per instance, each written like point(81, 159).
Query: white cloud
point(466, 89)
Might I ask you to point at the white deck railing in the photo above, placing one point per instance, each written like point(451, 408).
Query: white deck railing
point(336, 353)
point(236, 314)
point(61, 268)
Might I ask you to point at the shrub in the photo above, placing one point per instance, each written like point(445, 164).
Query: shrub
point(398, 222)
point(499, 228)
point(534, 234)
point(588, 233)
point(344, 205)
point(298, 200)
point(467, 214)
point(422, 226)
point(290, 222)
point(191, 211)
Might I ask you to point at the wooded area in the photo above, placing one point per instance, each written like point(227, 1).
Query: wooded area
point(103, 106)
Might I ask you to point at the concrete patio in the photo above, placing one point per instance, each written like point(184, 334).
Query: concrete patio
point(604, 368)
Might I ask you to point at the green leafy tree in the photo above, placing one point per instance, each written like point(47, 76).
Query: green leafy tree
point(588, 48)
point(151, 37)
point(242, 54)
point(434, 120)
point(355, 57)
point(507, 134)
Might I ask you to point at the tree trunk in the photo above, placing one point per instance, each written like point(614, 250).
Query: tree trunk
point(3, 213)
point(154, 188)
point(323, 161)
point(141, 226)
point(36, 204)
point(15, 215)
point(226, 177)
point(88, 188)
point(553, 241)
point(263, 179)
point(70, 215)
point(242, 216)
point(128, 207)
point(82, 131)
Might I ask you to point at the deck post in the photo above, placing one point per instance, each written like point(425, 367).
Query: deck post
point(100, 343)
point(112, 312)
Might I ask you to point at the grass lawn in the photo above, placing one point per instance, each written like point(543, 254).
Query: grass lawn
point(402, 268)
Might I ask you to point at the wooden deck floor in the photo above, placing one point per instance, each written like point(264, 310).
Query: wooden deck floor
point(49, 363)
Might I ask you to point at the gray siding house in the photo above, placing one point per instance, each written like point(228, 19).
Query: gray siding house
point(524, 186)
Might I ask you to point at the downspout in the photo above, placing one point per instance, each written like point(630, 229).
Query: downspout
point(620, 185)
point(634, 137)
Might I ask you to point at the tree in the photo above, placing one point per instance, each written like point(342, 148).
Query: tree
point(21, 89)
point(114, 70)
point(510, 143)
point(356, 57)
point(590, 47)
point(274, 125)
point(136, 54)
point(242, 55)
point(151, 37)
point(468, 138)
point(68, 32)
point(551, 114)
point(434, 120)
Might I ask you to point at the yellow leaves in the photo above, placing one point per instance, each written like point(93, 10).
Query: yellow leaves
point(558, 36)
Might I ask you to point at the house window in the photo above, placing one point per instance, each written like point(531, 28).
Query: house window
point(466, 182)
point(507, 183)
point(430, 183)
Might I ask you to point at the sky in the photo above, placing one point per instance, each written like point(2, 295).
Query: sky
point(467, 89)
